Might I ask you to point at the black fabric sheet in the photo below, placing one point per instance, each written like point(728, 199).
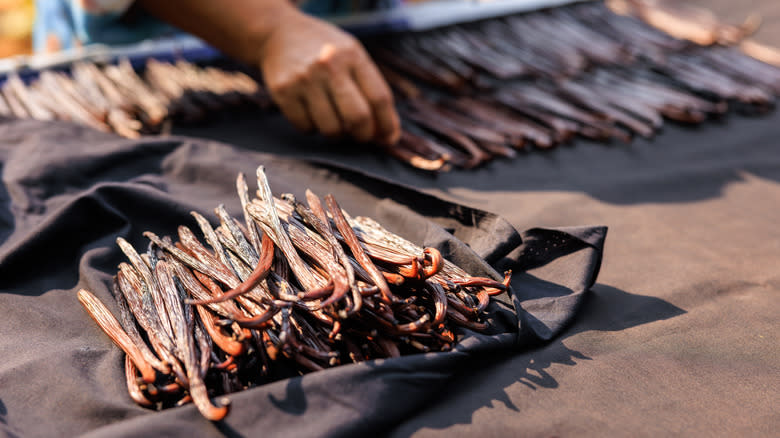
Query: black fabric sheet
point(69, 192)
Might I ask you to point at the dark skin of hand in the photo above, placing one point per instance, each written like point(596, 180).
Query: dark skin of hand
point(321, 77)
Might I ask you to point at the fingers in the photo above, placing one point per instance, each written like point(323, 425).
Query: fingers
point(292, 106)
point(341, 92)
point(322, 112)
point(352, 107)
point(380, 99)
point(295, 111)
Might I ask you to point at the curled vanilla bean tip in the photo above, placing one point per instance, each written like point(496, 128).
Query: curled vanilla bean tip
point(203, 403)
point(259, 274)
point(402, 152)
point(504, 285)
point(436, 262)
point(136, 393)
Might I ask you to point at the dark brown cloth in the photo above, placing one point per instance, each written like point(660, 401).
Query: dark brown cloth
point(69, 192)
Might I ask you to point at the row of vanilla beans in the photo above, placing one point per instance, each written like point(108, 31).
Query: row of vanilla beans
point(117, 98)
point(289, 288)
point(473, 92)
point(603, 104)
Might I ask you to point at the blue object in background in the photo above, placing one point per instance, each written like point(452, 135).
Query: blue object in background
point(64, 24)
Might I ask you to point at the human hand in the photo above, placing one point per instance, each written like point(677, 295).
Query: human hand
point(323, 79)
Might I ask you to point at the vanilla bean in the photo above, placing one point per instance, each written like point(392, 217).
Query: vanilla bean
point(128, 323)
point(265, 214)
point(103, 317)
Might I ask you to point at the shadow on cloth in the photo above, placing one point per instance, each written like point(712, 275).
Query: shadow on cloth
point(5, 429)
point(605, 309)
point(681, 164)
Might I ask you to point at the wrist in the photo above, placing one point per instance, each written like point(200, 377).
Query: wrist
point(277, 13)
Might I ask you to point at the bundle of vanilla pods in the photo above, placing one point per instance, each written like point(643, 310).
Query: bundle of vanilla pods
point(466, 93)
point(289, 288)
point(117, 98)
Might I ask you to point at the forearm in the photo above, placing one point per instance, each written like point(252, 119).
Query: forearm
point(236, 27)
point(319, 76)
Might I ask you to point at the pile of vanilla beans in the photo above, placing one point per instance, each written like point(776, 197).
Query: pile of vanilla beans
point(287, 289)
point(466, 93)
